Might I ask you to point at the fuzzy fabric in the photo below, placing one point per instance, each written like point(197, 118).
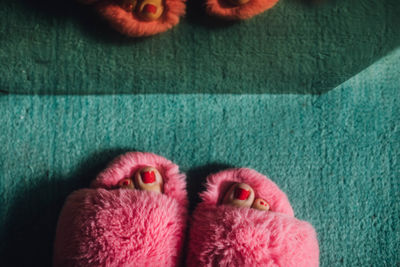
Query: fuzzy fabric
point(124, 20)
point(222, 9)
point(222, 235)
point(103, 226)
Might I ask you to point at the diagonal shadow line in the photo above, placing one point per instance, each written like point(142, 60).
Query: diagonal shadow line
point(394, 53)
point(390, 53)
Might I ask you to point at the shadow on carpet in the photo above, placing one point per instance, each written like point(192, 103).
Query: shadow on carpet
point(32, 218)
point(299, 46)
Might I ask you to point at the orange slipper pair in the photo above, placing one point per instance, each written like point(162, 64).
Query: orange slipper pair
point(137, 18)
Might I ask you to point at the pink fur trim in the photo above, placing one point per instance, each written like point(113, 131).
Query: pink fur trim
point(264, 188)
point(222, 8)
point(231, 236)
point(126, 165)
point(122, 227)
point(127, 23)
point(222, 235)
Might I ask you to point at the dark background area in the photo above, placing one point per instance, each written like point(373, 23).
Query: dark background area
point(298, 46)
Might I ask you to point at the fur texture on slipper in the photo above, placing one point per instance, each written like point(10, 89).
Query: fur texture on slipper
point(224, 10)
point(103, 226)
point(122, 18)
point(223, 235)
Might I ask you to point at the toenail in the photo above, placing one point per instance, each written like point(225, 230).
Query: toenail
point(126, 183)
point(148, 177)
point(149, 8)
point(260, 204)
point(241, 194)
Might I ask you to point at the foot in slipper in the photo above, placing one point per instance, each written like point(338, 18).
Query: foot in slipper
point(134, 214)
point(238, 9)
point(137, 18)
point(246, 220)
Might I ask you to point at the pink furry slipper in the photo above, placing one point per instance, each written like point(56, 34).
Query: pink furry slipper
point(238, 9)
point(105, 226)
point(225, 235)
point(137, 18)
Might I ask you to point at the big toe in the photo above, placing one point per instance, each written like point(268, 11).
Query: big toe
point(239, 195)
point(149, 179)
point(150, 10)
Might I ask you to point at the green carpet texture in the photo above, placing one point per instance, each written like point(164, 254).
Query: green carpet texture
point(59, 47)
point(307, 93)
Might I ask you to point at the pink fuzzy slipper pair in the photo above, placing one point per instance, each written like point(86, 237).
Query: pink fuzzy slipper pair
point(138, 18)
point(135, 214)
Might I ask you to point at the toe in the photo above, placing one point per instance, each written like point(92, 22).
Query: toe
point(149, 179)
point(128, 5)
point(126, 183)
point(150, 10)
point(260, 204)
point(240, 195)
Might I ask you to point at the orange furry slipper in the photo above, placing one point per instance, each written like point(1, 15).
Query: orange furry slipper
point(139, 18)
point(238, 9)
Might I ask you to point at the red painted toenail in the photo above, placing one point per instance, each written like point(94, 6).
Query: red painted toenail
point(125, 183)
point(148, 177)
point(149, 8)
point(241, 193)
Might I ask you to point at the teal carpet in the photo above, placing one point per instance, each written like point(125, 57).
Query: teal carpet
point(336, 156)
point(334, 147)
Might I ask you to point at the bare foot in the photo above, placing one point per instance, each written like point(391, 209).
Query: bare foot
point(126, 183)
point(147, 10)
point(147, 178)
point(242, 195)
point(260, 204)
point(150, 9)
